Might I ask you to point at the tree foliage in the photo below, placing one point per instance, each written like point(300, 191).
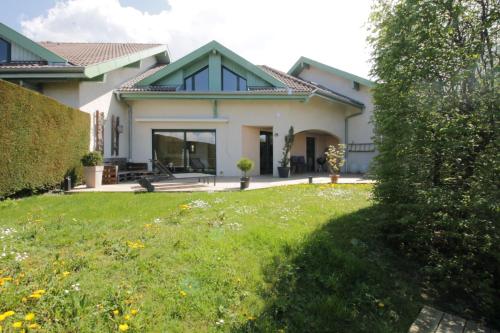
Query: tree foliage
point(436, 122)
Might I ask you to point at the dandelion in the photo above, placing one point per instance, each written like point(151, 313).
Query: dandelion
point(17, 324)
point(185, 207)
point(5, 279)
point(30, 316)
point(65, 274)
point(123, 327)
point(116, 312)
point(34, 326)
point(6, 314)
point(133, 312)
point(183, 293)
point(135, 245)
point(126, 317)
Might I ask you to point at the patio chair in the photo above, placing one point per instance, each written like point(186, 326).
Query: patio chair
point(164, 174)
point(298, 164)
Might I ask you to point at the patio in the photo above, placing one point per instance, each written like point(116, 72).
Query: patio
point(224, 184)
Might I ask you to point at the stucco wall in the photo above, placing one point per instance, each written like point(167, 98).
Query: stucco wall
point(360, 128)
point(317, 114)
point(91, 96)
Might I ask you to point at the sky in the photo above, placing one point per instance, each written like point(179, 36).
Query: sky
point(265, 32)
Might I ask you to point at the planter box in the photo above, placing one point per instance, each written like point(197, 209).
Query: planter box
point(93, 176)
point(283, 172)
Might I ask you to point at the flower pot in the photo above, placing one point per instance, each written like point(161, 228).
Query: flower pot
point(283, 172)
point(244, 182)
point(93, 176)
point(334, 179)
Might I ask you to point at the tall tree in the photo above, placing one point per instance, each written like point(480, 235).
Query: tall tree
point(436, 122)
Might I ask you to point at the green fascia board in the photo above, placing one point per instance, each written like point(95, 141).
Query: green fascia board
point(210, 47)
point(297, 68)
point(107, 66)
point(206, 96)
point(30, 45)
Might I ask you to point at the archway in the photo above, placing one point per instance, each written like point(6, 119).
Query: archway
point(307, 153)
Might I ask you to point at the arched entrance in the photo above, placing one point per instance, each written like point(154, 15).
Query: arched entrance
point(307, 153)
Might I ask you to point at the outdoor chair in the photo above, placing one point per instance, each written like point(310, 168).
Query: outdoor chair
point(298, 164)
point(163, 173)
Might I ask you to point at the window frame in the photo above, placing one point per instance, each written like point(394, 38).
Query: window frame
point(237, 81)
point(9, 52)
point(191, 77)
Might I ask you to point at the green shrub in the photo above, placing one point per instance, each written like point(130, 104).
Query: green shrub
point(91, 159)
point(41, 141)
point(245, 165)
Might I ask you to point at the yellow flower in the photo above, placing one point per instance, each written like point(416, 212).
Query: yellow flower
point(126, 317)
point(116, 312)
point(17, 324)
point(135, 245)
point(39, 291)
point(184, 207)
point(34, 326)
point(30, 316)
point(24, 299)
point(133, 312)
point(65, 274)
point(2, 317)
point(183, 293)
point(7, 314)
point(36, 296)
point(123, 327)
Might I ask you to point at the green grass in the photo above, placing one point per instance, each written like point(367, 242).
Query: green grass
point(296, 259)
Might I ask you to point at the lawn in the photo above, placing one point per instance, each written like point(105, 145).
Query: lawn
point(302, 258)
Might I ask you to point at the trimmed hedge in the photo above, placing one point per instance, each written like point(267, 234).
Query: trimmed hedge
point(41, 141)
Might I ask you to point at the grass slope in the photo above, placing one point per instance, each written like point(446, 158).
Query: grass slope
point(289, 259)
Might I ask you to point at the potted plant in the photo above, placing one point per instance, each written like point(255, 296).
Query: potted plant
point(284, 168)
point(245, 165)
point(335, 160)
point(92, 169)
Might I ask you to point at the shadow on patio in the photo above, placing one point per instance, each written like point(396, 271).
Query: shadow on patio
point(340, 279)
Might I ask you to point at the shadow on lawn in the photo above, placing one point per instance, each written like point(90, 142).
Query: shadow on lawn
point(342, 278)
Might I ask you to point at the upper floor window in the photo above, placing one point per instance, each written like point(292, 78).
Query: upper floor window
point(232, 81)
point(4, 51)
point(198, 81)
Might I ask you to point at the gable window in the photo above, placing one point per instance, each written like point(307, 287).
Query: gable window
point(198, 81)
point(4, 51)
point(232, 81)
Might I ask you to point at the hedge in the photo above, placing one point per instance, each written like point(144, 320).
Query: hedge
point(41, 141)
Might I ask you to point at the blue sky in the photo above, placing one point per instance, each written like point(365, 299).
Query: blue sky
point(270, 32)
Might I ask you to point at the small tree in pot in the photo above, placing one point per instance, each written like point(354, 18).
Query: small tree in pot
point(335, 160)
point(284, 168)
point(92, 169)
point(245, 165)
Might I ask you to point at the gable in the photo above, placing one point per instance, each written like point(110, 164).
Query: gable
point(213, 56)
point(24, 49)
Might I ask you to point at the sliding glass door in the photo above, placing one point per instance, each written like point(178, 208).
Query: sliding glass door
point(185, 150)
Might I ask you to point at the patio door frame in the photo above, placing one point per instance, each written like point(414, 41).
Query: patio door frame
point(185, 148)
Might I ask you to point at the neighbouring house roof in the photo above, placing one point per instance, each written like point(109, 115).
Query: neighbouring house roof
point(89, 59)
point(303, 62)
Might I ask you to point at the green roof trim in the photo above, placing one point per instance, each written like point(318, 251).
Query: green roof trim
point(213, 46)
point(30, 45)
point(299, 65)
point(206, 96)
point(107, 66)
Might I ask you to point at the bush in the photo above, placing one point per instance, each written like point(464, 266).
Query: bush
point(245, 165)
point(41, 141)
point(91, 159)
point(436, 123)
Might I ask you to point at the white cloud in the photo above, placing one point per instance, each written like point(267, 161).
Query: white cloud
point(272, 32)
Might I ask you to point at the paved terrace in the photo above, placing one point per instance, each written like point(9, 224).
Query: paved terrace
point(223, 184)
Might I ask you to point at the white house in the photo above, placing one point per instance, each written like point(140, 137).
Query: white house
point(203, 111)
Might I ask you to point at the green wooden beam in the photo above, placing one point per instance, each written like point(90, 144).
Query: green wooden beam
point(303, 61)
point(214, 71)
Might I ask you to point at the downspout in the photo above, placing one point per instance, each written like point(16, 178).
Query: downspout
point(346, 139)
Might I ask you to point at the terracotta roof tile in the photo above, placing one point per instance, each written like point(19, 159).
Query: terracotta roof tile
point(84, 54)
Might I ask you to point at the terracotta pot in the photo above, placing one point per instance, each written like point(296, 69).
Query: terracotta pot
point(334, 179)
point(93, 176)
